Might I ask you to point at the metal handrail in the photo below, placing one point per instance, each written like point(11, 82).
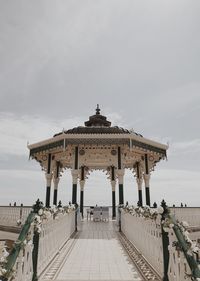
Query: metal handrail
point(182, 243)
point(12, 257)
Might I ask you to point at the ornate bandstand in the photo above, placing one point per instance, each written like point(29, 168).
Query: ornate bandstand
point(98, 146)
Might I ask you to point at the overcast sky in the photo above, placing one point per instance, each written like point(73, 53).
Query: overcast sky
point(140, 60)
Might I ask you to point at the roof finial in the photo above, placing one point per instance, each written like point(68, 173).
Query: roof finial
point(98, 109)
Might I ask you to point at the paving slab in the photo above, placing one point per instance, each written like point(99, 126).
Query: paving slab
point(98, 255)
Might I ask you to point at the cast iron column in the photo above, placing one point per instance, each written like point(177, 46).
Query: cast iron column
point(48, 181)
point(113, 183)
point(139, 183)
point(120, 178)
point(82, 183)
point(146, 180)
point(56, 181)
point(75, 177)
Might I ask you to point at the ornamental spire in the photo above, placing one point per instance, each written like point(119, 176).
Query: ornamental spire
point(98, 110)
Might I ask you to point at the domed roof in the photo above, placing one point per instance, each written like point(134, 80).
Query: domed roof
point(97, 124)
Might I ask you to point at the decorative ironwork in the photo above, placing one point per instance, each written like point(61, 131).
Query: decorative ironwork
point(47, 147)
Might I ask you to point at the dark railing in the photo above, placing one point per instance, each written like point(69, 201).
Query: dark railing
point(18, 245)
point(170, 227)
point(181, 244)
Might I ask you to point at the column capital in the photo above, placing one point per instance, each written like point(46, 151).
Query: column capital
point(120, 174)
point(113, 184)
point(82, 184)
point(56, 182)
point(139, 183)
point(74, 176)
point(48, 179)
point(146, 179)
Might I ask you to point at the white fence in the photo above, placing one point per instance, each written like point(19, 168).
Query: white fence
point(9, 216)
point(146, 235)
point(54, 233)
point(178, 266)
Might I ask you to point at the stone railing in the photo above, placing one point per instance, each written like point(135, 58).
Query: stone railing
point(42, 236)
point(178, 266)
point(163, 242)
point(13, 216)
point(54, 233)
point(145, 235)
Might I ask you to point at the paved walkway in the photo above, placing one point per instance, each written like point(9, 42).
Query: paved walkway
point(97, 255)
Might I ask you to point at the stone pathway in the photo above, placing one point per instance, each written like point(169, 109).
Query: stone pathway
point(97, 254)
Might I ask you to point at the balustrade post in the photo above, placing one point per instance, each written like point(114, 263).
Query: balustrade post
point(165, 242)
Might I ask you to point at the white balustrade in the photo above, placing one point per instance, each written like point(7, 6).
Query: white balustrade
point(54, 233)
point(188, 214)
point(24, 265)
point(23, 268)
point(145, 235)
point(9, 216)
point(178, 266)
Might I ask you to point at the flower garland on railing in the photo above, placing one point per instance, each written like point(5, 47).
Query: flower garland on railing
point(169, 223)
point(146, 212)
point(43, 214)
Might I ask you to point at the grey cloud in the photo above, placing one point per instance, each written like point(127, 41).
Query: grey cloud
point(140, 60)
